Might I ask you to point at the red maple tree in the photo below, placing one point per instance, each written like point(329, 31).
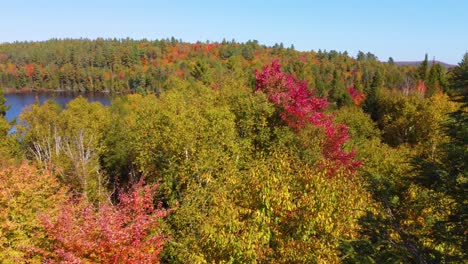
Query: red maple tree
point(125, 233)
point(356, 95)
point(299, 107)
point(29, 69)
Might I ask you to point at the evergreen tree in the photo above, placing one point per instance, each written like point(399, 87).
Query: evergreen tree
point(3, 106)
point(445, 179)
point(370, 104)
point(423, 69)
point(338, 93)
point(459, 78)
point(7, 144)
point(436, 79)
point(371, 57)
point(361, 56)
point(377, 80)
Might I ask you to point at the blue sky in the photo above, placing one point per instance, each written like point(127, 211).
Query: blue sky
point(405, 30)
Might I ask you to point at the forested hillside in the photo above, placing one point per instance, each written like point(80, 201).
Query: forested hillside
point(231, 153)
point(127, 65)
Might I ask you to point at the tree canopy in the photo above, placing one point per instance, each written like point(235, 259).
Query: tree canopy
point(231, 153)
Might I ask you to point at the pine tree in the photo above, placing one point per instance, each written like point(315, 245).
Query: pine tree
point(460, 76)
point(423, 69)
point(5, 146)
point(446, 179)
point(436, 79)
point(3, 106)
point(361, 56)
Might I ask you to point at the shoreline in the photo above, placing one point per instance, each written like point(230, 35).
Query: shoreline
point(58, 91)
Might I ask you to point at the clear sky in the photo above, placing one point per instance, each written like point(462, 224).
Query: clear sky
point(403, 29)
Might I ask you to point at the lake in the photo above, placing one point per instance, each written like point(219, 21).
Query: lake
point(18, 101)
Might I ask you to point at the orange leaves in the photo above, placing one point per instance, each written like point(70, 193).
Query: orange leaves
point(180, 73)
point(182, 51)
point(121, 75)
point(177, 52)
point(144, 61)
point(29, 68)
point(25, 192)
point(356, 95)
point(107, 76)
point(421, 87)
point(11, 69)
point(210, 48)
point(124, 233)
point(3, 57)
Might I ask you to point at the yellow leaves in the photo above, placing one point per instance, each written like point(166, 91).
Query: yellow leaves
point(25, 193)
point(184, 129)
point(298, 207)
point(414, 120)
point(68, 142)
point(412, 194)
point(107, 76)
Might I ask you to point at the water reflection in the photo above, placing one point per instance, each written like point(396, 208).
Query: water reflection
point(18, 102)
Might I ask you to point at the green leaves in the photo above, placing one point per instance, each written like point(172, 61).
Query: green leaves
point(279, 210)
point(244, 187)
point(412, 119)
point(68, 142)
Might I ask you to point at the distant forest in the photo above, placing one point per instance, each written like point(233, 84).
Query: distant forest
point(231, 153)
point(127, 65)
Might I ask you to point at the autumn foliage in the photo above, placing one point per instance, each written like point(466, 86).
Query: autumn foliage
point(29, 68)
point(300, 107)
point(356, 95)
point(421, 87)
point(125, 233)
point(256, 177)
point(25, 192)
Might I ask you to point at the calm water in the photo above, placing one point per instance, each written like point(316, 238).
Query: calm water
point(18, 102)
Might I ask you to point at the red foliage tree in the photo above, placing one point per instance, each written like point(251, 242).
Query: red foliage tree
point(356, 95)
point(125, 233)
point(421, 87)
point(121, 75)
point(29, 69)
point(3, 57)
point(299, 107)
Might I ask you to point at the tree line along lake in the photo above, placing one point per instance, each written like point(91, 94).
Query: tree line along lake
point(19, 101)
